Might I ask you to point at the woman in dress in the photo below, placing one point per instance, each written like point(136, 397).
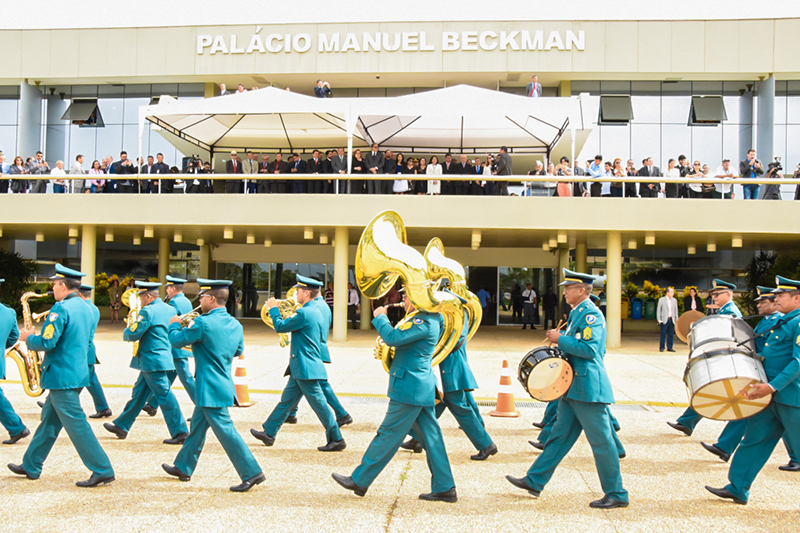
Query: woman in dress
point(358, 167)
point(402, 186)
point(618, 171)
point(421, 186)
point(434, 169)
point(18, 186)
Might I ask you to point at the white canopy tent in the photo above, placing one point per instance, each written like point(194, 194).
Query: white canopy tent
point(462, 119)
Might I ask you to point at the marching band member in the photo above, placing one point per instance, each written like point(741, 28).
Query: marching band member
point(153, 361)
point(9, 333)
point(95, 389)
point(216, 338)
point(412, 387)
point(65, 371)
point(782, 416)
point(585, 407)
point(306, 370)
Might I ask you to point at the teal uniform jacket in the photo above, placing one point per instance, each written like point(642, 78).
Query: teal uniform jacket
point(730, 309)
point(411, 379)
point(182, 305)
point(8, 331)
point(92, 355)
point(320, 305)
point(456, 374)
point(584, 343)
point(155, 353)
point(216, 338)
point(306, 325)
point(782, 359)
point(763, 330)
point(66, 363)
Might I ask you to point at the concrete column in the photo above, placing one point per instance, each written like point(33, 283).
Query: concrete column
point(580, 255)
point(163, 263)
point(614, 289)
point(340, 270)
point(563, 262)
point(89, 254)
point(205, 262)
point(366, 313)
point(565, 90)
point(30, 121)
point(765, 129)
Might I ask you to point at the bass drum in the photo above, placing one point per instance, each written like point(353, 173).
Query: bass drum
point(685, 323)
point(720, 332)
point(715, 379)
point(545, 374)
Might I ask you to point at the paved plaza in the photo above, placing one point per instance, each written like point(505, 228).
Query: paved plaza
point(664, 471)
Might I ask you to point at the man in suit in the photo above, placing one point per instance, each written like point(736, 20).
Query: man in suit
point(122, 169)
point(376, 162)
point(314, 166)
point(263, 169)
point(534, 88)
point(352, 305)
point(77, 170)
point(722, 294)
point(161, 168)
point(223, 90)
point(461, 188)
point(448, 167)
point(153, 360)
point(65, 371)
point(279, 166)
point(216, 338)
point(306, 369)
point(782, 417)
point(667, 316)
point(751, 168)
point(328, 183)
point(38, 167)
point(390, 168)
point(649, 190)
point(298, 166)
point(339, 163)
point(323, 89)
point(503, 169)
point(250, 166)
point(101, 409)
point(412, 386)
point(234, 166)
point(8, 338)
point(585, 407)
point(146, 186)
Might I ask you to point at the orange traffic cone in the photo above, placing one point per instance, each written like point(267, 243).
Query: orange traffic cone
point(505, 395)
point(240, 382)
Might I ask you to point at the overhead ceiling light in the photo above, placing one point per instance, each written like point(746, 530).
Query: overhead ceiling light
point(73, 241)
point(632, 244)
point(137, 241)
point(40, 237)
point(553, 243)
point(476, 236)
point(201, 242)
point(227, 233)
point(73, 231)
point(736, 241)
point(308, 234)
point(267, 243)
point(178, 236)
point(148, 232)
point(650, 239)
point(323, 238)
point(109, 235)
point(251, 238)
point(711, 246)
point(562, 238)
point(545, 247)
point(691, 250)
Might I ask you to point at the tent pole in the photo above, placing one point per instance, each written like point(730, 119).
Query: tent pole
point(349, 158)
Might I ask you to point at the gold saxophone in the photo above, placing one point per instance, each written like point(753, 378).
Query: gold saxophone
point(130, 299)
point(382, 257)
point(287, 308)
point(28, 361)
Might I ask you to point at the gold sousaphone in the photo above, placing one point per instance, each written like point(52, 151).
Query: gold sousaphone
point(382, 257)
point(130, 299)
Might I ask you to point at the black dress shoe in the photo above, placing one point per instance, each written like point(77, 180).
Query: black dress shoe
point(119, 432)
point(519, 482)
point(680, 427)
point(180, 438)
point(40, 404)
point(175, 471)
point(17, 469)
point(485, 453)
point(263, 437)
point(792, 466)
point(623, 455)
point(249, 483)
point(150, 410)
point(347, 482)
point(716, 451)
point(345, 420)
point(607, 503)
point(450, 496)
point(19, 436)
point(333, 446)
point(536, 444)
point(539, 425)
point(94, 481)
point(291, 419)
point(105, 413)
point(670, 350)
point(661, 350)
point(726, 494)
point(413, 445)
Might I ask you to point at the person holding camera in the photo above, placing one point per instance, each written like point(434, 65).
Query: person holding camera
point(751, 168)
point(773, 191)
point(323, 89)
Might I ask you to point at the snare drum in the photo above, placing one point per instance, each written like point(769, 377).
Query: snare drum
point(720, 332)
point(545, 374)
point(714, 380)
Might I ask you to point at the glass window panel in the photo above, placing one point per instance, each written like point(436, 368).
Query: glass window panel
point(675, 140)
point(732, 109)
point(730, 142)
point(164, 88)
point(372, 92)
point(793, 111)
point(159, 144)
point(734, 88)
point(109, 142)
point(780, 88)
point(646, 140)
point(615, 87)
point(591, 87)
point(8, 142)
point(614, 142)
point(707, 87)
point(110, 91)
point(8, 111)
point(130, 140)
point(646, 109)
point(140, 91)
point(780, 109)
point(675, 109)
point(646, 88)
point(707, 145)
point(84, 91)
point(132, 105)
point(779, 144)
point(792, 148)
point(682, 88)
point(191, 89)
point(111, 109)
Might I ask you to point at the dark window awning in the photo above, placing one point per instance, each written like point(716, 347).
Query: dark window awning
point(707, 111)
point(83, 113)
point(615, 110)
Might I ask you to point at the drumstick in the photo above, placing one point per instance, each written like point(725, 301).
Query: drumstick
point(560, 325)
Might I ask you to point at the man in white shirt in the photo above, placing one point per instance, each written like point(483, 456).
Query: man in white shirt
point(528, 306)
point(722, 190)
point(667, 315)
point(59, 183)
point(352, 304)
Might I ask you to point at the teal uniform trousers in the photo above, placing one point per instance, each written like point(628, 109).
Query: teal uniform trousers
point(10, 333)
point(65, 371)
point(411, 393)
point(94, 387)
point(544, 435)
point(294, 391)
point(180, 357)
